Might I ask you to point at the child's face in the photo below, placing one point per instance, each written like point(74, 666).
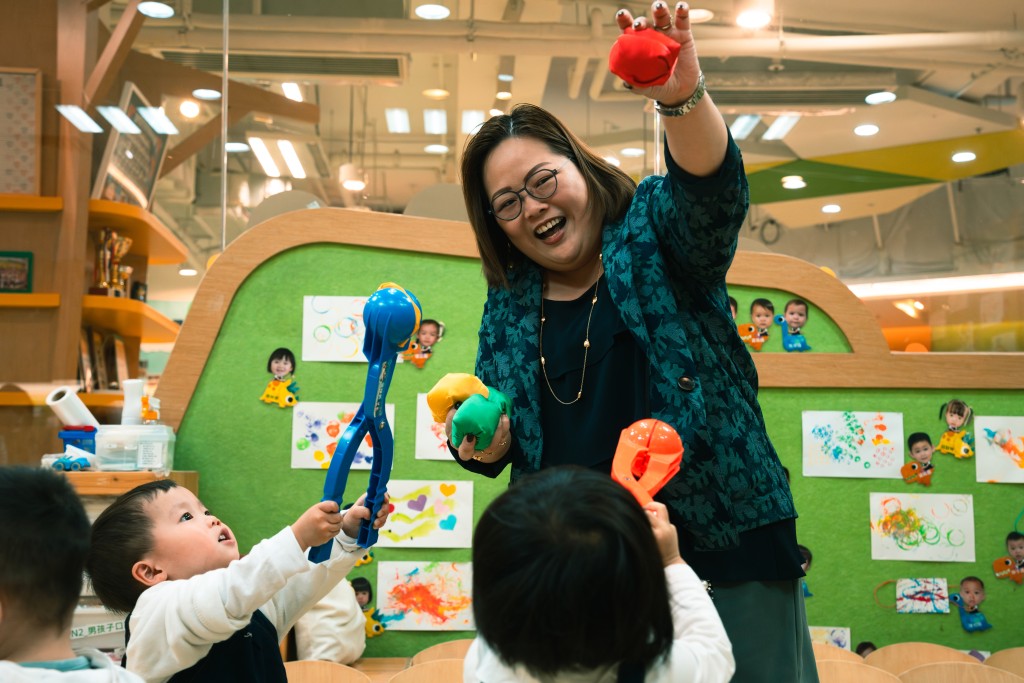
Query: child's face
point(760, 316)
point(972, 593)
point(922, 452)
point(427, 335)
point(796, 315)
point(187, 539)
point(954, 421)
point(1016, 549)
point(281, 367)
point(363, 598)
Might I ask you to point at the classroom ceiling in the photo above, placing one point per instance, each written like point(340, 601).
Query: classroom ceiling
point(957, 71)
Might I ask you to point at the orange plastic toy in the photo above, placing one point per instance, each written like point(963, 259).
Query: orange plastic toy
point(648, 455)
point(1006, 568)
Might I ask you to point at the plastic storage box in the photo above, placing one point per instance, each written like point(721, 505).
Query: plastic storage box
point(128, 448)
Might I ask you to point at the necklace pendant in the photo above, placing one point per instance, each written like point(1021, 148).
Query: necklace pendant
point(542, 361)
point(579, 395)
point(594, 300)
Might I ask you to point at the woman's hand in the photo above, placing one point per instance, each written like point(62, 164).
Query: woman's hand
point(675, 24)
point(499, 446)
point(664, 533)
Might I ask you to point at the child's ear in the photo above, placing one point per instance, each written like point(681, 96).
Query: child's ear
point(147, 573)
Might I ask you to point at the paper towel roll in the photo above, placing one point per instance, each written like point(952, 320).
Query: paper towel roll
point(69, 408)
point(131, 414)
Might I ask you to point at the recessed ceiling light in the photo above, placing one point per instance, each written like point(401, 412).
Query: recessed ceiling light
point(189, 109)
point(632, 152)
point(880, 97)
point(436, 93)
point(435, 121)
point(235, 147)
point(866, 130)
point(436, 149)
point(206, 94)
point(701, 16)
point(793, 182)
point(753, 19)
point(292, 91)
point(354, 184)
point(188, 272)
point(432, 12)
point(116, 117)
point(156, 10)
point(397, 119)
point(831, 208)
point(613, 160)
point(471, 120)
point(77, 116)
point(506, 78)
point(496, 112)
point(963, 157)
point(503, 95)
point(157, 120)
point(744, 125)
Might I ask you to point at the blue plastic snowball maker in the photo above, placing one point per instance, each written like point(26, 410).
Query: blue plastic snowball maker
point(391, 316)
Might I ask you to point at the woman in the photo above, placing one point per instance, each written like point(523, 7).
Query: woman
point(607, 303)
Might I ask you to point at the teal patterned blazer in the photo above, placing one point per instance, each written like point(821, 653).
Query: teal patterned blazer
point(665, 263)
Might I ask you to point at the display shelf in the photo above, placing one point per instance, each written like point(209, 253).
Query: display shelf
point(95, 399)
point(116, 483)
point(27, 203)
point(38, 300)
point(129, 318)
point(150, 237)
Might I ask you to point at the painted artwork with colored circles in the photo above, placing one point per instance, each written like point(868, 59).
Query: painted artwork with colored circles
point(317, 429)
point(333, 329)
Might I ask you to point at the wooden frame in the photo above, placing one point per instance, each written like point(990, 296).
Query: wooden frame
point(870, 364)
point(16, 271)
point(21, 108)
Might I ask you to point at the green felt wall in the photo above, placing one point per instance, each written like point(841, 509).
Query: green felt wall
point(241, 447)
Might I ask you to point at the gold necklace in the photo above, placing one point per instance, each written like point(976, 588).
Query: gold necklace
point(586, 346)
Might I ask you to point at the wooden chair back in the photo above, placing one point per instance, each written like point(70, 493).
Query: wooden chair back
point(1010, 659)
point(433, 671)
point(316, 671)
point(845, 671)
point(958, 672)
point(900, 657)
point(451, 649)
point(823, 651)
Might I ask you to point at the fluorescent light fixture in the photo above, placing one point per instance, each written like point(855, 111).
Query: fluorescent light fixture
point(941, 285)
point(471, 120)
point(880, 97)
point(208, 94)
point(436, 149)
point(436, 93)
point(157, 120)
point(780, 127)
point(701, 16)
point(744, 125)
point(866, 130)
point(613, 160)
point(189, 109)
point(632, 152)
point(188, 272)
point(235, 147)
point(435, 121)
point(963, 157)
point(398, 120)
point(291, 159)
point(78, 118)
point(793, 182)
point(831, 208)
point(259, 148)
point(432, 11)
point(156, 10)
point(116, 117)
point(292, 91)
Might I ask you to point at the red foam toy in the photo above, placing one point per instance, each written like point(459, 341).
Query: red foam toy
point(643, 58)
point(648, 455)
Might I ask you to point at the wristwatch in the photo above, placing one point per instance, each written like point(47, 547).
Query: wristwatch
point(684, 108)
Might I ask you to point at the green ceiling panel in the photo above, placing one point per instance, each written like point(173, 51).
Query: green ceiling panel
point(822, 180)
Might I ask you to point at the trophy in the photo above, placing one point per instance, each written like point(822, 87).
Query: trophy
point(110, 249)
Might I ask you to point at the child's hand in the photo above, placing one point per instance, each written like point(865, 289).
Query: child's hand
point(664, 533)
point(317, 525)
point(354, 516)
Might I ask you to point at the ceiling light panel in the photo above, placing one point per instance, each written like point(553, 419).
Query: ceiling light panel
point(116, 117)
point(435, 121)
point(398, 120)
point(780, 127)
point(78, 118)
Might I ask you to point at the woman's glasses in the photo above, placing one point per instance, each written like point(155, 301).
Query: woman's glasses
point(541, 184)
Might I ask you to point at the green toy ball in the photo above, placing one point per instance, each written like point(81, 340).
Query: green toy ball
point(479, 416)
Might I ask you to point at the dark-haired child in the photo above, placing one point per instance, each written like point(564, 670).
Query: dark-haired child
point(282, 388)
point(761, 313)
point(1015, 548)
point(44, 538)
point(196, 612)
point(573, 580)
point(795, 314)
point(920, 471)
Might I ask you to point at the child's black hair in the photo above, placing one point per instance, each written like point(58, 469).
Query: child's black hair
point(763, 303)
point(44, 538)
point(733, 304)
point(121, 536)
point(1014, 536)
point(918, 437)
point(567, 575)
point(973, 578)
point(361, 584)
point(863, 646)
point(281, 354)
point(796, 302)
point(956, 407)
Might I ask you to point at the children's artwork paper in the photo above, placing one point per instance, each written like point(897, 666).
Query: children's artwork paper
point(831, 635)
point(999, 444)
point(852, 444)
point(333, 329)
point(425, 596)
point(429, 514)
point(922, 596)
point(316, 429)
point(431, 441)
point(927, 527)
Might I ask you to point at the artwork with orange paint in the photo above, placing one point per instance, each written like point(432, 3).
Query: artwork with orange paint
point(425, 596)
point(1000, 449)
point(928, 527)
point(431, 441)
point(852, 444)
point(429, 514)
point(317, 428)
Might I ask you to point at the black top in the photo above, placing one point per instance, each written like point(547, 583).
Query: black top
point(587, 432)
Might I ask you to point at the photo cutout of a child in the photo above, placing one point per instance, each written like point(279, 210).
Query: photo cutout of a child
point(421, 349)
point(364, 596)
point(920, 468)
point(755, 333)
point(282, 389)
point(792, 321)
